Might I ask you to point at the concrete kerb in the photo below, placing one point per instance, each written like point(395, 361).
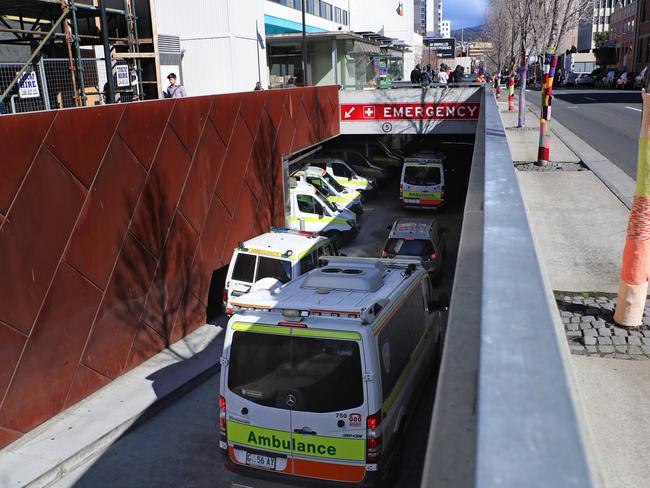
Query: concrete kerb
point(87, 429)
point(619, 183)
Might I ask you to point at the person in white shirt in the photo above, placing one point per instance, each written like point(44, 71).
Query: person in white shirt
point(443, 76)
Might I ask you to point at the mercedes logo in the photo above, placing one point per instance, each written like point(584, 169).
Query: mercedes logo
point(290, 400)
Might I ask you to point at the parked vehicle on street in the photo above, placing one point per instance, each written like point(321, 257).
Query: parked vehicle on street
point(611, 79)
point(583, 79)
point(570, 79)
point(626, 81)
point(343, 173)
point(319, 377)
point(417, 238)
point(359, 162)
point(281, 254)
point(327, 185)
point(313, 213)
point(422, 184)
point(639, 80)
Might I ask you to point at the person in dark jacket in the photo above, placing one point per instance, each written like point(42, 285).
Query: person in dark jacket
point(416, 74)
point(457, 75)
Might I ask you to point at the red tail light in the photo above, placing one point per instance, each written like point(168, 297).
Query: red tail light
point(225, 296)
point(434, 256)
point(384, 254)
point(373, 438)
point(223, 434)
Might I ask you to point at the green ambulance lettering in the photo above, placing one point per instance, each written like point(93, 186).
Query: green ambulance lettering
point(301, 447)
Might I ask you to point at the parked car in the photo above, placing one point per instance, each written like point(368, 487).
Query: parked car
point(639, 80)
point(570, 79)
point(584, 79)
point(610, 79)
point(626, 81)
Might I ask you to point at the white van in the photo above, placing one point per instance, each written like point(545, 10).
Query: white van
point(327, 185)
point(339, 354)
point(312, 213)
point(422, 184)
point(282, 254)
point(343, 174)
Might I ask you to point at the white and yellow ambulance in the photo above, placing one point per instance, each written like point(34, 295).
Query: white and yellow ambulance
point(344, 174)
point(318, 376)
point(422, 183)
point(312, 212)
point(282, 254)
point(327, 185)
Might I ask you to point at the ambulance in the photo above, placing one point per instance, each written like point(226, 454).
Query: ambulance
point(422, 184)
point(311, 212)
point(282, 254)
point(319, 376)
point(326, 184)
point(344, 174)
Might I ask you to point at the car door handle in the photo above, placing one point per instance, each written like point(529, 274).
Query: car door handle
point(304, 431)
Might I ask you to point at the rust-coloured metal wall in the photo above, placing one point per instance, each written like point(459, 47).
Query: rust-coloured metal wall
point(112, 221)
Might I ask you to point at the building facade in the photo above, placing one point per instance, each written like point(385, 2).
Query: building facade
point(445, 28)
point(621, 33)
point(599, 23)
point(642, 35)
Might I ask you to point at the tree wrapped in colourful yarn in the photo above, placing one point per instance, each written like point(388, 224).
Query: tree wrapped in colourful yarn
point(550, 63)
point(511, 87)
point(633, 288)
point(498, 83)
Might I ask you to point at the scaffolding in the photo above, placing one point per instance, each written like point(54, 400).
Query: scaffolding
point(64, 29)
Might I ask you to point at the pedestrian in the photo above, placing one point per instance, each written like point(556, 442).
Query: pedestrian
point(416, 75)
point(258, 86)
point(457, 75)
point(291, 83)
point(174, 90)
point(443, 76)
point(426, 78)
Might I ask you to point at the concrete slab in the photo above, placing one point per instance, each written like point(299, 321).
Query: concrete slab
point(616, 394)
point(579, 228)
point(85, 430)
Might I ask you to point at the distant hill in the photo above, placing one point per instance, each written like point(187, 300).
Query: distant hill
point(470, 34)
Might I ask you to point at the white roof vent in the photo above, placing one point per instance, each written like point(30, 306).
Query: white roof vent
point(340, 275)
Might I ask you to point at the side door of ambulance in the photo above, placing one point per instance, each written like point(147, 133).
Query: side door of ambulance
point(328, 420)
point(258, 419)
point(311, 211)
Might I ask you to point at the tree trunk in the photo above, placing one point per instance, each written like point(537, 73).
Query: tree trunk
point(543, 153)
point(523, 73)
point(633, 287)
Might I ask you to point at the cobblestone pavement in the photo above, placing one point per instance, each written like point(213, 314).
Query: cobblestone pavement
point(589, 326)
point(552, 167)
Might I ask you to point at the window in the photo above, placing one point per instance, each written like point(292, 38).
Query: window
point(310, 8)
point(341, 170)
point(326, 10)
point(273, 268)
point(309, 262)
point(337, 15)
point(345, 17)
point(308, 204)
point(244, 269)
point(422, 175)
point(309, 368)
point(409, 247)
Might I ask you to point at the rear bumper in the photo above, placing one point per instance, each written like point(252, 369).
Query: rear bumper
point(258, 478)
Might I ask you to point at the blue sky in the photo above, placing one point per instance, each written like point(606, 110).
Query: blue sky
point(464, 13)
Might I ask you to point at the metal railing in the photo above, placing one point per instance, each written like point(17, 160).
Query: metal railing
point(504, 415)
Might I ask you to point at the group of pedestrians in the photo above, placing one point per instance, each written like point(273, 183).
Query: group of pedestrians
point(427, 76)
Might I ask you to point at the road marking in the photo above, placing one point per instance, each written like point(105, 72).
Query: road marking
point(572, 106)
point(634, 108)
point(590, 99)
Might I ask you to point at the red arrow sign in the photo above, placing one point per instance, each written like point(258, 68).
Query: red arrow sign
point(410, 111)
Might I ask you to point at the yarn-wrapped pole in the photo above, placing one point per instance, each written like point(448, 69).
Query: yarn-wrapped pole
point(550, 63)
point(511, 92)
point(633, 287)
point(523, 73)
point(498, 86)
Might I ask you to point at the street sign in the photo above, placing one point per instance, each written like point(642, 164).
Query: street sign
point(122, 73)
point(410, 111)
point(445, 48)
point(28, 85)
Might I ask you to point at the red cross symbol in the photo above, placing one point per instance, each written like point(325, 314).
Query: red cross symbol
point(368, 112)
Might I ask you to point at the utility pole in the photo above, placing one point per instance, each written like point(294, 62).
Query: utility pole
point(107, 51)
point(304, 46)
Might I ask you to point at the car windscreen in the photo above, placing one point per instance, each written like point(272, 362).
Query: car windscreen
point(273, 268)
point(409, 247)
point(244, 269)
point(324, 375)
point(422, 175)
point(335, 184)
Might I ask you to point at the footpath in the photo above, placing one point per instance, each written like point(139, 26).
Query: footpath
point(578, 208)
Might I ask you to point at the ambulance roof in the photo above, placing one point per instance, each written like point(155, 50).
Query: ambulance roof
point(279, 241)
point(344, 288)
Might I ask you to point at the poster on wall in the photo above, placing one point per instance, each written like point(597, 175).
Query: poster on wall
point(28, 85)
point(122, 73)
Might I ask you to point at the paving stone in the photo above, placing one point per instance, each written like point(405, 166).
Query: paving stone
point(593, 311)
point(590, 332)
point(572, 326)
point(572, 334)
point(646, 348)
point(621, 349)
point(597, 324)
point(577, 349)
point(646, 320)
point(619, 340)
point(591, 349)
point(604, 341)
point(646, 333)
point(566, 320)
point(634, 341)
point(636, 333)
point(586, 326)
point(635, 350)
point(619, 331)
point(606, 349)
point(589, 341)
point(645, 340)
point(605, 332)
point(575, 320)
point(640, 357)
point(602, 299)
point(566, 314)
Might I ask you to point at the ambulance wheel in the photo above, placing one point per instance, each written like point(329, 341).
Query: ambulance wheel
point(335, 238)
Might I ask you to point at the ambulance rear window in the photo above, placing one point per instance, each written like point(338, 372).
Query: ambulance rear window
point(323, 375)
point(244, 269)
point(274, 268)
point(422, 175)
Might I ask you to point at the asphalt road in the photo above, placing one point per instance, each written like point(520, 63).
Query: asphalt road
point(178, 445)
point(608, 120)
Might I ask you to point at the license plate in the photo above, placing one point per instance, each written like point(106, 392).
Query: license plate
point(259, 461)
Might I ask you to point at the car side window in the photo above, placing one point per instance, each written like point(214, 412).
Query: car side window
point(306, 204)
point(309, 262)
point(339, 170)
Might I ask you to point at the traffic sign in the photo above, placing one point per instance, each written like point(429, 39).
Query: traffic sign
point(410, 111)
